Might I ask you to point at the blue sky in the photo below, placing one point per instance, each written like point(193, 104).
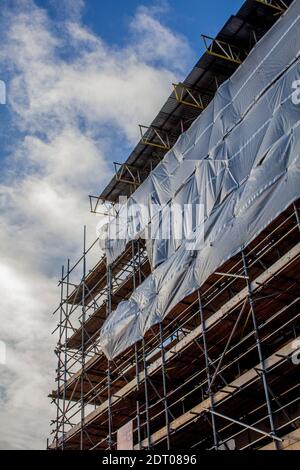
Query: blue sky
point(77, 74)
point(193, 17)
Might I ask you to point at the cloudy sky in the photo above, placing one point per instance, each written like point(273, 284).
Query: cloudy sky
point(80, 76)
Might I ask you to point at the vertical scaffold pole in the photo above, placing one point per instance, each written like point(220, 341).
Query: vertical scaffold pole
point(110, 442)
point(83, 340)
point(138, 418)
point(133, 265)
point(163, 371)
point(59, 359)
point(109, 289)
point(139, 255)
point(109, 410)
point(65, 355)
point(146, 396)
point(211, 394)
point(259, 350)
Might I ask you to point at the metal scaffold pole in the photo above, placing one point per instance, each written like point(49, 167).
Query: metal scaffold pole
point(146, 396)
point(163, 371)
point(138, 416)
point(109, 410)
point(136, 355)
point(83, 342)
point(211, 395)
point(259, 351)
point(59, 372)
point(110, 441)
point(65, 355)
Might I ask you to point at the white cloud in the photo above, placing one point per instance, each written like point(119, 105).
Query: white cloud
point(75, 102)
point(71, 8)
point(158, 42)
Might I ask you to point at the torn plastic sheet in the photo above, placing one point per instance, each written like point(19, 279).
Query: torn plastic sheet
point(243, 168)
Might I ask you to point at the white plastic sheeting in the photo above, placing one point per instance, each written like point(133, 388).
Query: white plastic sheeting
point(239, 160)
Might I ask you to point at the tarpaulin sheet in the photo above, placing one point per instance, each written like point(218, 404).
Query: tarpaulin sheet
point(239, 161)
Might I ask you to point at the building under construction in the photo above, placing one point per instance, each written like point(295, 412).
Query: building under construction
point(192, 342)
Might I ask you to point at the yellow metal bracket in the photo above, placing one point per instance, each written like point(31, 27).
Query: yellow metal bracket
point(100, 206)
point(222, 49)
point(127, 174)
point(278, 5)
point(188, 96)
point(154, 137)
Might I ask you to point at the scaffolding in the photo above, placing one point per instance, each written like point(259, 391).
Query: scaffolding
point(219, 372)
point(210, 374)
